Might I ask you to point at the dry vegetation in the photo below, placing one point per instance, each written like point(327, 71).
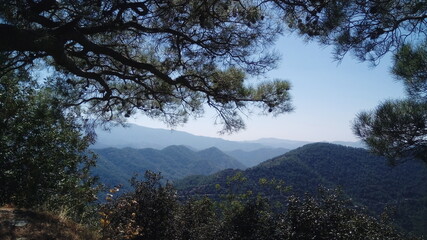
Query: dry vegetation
point(27, 224)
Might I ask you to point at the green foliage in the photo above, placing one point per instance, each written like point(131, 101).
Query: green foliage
point(153, 211)
point(199, 220)
point(368, 29)
point(43, 152)
point(333, 217)
point(398, 129)
point(147, 213)
point(251, 219)
point(410, 66)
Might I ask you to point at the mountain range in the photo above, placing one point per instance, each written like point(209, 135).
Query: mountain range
point(136, 136)
point(116, 166)
point(204, 162)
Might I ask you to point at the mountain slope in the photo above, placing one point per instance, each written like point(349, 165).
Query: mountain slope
point(365, 178)
point(117, 166)
point(255, 157)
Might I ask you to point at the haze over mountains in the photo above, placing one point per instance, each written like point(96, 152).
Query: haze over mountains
point(136, 136)
point(176, 154)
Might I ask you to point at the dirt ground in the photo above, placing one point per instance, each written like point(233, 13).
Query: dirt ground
point(20, 224)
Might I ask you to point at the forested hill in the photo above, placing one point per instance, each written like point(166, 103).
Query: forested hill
point(255, 157)
point(117, 166)
point(365, 178)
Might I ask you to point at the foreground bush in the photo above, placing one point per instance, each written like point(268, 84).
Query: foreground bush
point(153, 211)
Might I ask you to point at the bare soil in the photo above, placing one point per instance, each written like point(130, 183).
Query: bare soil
point(21, 224)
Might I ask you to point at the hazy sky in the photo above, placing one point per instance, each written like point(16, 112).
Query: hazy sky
point(326, 95)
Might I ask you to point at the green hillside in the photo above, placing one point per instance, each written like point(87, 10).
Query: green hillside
point(365, 178)
point(255, 157)
point(117, 166)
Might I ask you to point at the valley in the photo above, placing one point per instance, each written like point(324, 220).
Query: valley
point(366, 179)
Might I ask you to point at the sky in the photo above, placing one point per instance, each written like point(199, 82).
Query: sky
point(326, 96)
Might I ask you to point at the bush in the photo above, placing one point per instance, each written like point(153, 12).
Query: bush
point(153, 211)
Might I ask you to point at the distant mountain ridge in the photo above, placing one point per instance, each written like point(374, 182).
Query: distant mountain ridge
point(135, 136)
point(116, 166)
point(292, 144)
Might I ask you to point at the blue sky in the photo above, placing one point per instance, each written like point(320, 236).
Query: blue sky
point(326, 95)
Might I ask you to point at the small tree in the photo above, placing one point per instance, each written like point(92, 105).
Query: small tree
point(146, 213)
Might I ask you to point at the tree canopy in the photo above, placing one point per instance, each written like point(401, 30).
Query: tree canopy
point(367, 29)
point(166, 58)
point(398, 128)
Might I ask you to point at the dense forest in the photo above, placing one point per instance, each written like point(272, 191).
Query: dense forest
point(117, 166)
point(363, 177)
